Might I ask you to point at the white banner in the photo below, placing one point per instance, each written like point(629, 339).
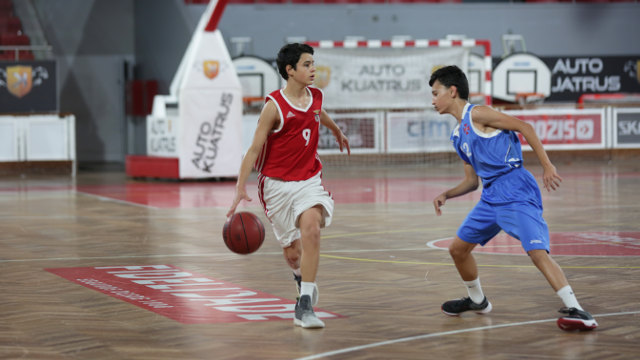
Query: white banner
point(424, 131)
point(210, 112)
point(393, 78)
point(162, 136)
point(211, 135)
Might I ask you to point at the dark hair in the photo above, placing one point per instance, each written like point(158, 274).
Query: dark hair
point(452, 76)
point(290, 55)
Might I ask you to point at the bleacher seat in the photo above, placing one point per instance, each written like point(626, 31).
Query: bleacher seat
point(22, 55)
point(7, 39)
point(10, 24)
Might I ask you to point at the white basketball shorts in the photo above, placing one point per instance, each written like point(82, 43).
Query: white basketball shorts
point(285, 201)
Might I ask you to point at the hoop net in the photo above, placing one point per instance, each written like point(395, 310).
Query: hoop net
point(526, 98)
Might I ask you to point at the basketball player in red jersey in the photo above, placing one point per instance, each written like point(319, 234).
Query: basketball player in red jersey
point(284, 152)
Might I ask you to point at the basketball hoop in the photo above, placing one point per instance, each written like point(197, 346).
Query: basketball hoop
point(529, 98)
point(252, 103)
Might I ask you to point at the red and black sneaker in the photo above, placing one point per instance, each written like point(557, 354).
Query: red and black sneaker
point(576, 320)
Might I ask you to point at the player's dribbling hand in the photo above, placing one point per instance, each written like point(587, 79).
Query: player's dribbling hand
point(241, 194)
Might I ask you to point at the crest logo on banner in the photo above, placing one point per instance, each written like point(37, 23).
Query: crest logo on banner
point(323, 75)
point(211, 68)
point(19, 80)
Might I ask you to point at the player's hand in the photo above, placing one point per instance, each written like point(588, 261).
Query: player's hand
point(343, 142)
point(551, 178)
point(439, 202)
point(241, 194)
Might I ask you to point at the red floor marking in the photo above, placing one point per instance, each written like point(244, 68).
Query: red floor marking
point(609, 243)
point(184, 296)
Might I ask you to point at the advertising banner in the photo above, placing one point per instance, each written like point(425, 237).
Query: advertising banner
point(28, 86)
point(565, 129)
point(162, 136)
point(425, 131)
point(381, 78)
point(626, 127)
point(361, 129)
point(210, 112)
point(182, 295)
point(573, 76)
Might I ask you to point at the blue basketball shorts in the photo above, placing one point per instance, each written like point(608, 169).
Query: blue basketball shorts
point(521, 220)
point(511, 203)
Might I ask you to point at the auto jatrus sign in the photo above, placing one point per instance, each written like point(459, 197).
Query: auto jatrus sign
point(573, 76)
point(565, 129)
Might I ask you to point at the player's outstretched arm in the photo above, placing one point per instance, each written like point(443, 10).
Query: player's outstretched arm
point(343, 141)
point(267, 121)
point(492, 118)
point(467, 185)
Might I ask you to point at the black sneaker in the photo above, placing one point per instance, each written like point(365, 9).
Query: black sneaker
point(305, 316)
point(576, 320)
point(298, 279)
point(456, 307)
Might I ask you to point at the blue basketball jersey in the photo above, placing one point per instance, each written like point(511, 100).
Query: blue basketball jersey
point(491, 155)
point(511, 199)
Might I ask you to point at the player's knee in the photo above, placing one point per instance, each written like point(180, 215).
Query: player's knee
point(292, 255)
point(456, 251)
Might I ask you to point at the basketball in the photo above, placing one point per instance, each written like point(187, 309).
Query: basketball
point(243, 233)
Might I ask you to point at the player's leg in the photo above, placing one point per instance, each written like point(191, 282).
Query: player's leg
point(524, 221)
point(292, 255)
point(277, 198)
point(465, 262)
point(310, 223)
point(478, 228)
point(314, 207)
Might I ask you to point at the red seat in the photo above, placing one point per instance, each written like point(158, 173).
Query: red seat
point(7, 39)
point(22, 55)
point(10, 24)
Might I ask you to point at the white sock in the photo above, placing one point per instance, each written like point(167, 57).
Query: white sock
point(307, 288)
point(475, 290)
point(568, 297)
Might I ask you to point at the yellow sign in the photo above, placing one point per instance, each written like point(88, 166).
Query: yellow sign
point(19, 80)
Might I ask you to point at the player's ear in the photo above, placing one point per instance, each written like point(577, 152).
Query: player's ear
point(453, 90)
point(289, 68)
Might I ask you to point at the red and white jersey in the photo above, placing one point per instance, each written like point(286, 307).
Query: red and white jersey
point(291, 151)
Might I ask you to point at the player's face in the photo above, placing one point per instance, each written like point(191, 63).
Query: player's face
point(305, 71)
point(440, 97)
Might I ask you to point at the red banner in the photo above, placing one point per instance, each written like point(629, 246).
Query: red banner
point(569, 129)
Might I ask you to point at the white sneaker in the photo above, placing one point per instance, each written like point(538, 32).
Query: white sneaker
point(305, 317)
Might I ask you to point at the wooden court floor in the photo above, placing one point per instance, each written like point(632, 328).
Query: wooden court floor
point(106, 267)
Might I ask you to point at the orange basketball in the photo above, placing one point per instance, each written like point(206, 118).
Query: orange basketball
point(243, 233)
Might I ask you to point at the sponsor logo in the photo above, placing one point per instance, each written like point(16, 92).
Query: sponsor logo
point(322, 77)
point(317, 115)
point(211, 68)
point(565, 129)
point(183, 295)
point(290, 115)
point(629, 127)
point(20, 79)
point(535, 242)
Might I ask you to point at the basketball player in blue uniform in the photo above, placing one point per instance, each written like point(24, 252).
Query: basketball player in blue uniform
point(486, 141)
